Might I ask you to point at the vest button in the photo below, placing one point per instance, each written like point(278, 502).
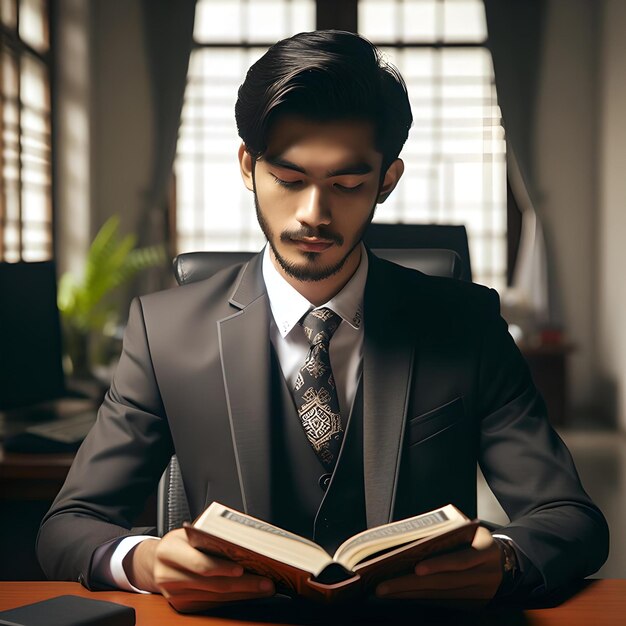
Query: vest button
point(324, 481)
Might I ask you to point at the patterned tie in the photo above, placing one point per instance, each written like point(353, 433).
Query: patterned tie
point(315, 392)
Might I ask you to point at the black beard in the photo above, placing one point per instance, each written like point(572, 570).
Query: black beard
point(308, 273)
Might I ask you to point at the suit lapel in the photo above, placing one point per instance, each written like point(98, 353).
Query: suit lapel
point(245, 355)
point(387, 370)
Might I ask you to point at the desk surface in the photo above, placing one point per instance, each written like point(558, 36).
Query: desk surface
point(599, 602)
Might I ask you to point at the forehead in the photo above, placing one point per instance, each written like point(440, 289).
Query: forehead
point(327, 144)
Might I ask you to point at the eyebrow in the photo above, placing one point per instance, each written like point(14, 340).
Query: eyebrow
point(356, 169)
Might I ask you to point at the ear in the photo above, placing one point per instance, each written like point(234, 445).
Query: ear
point(392, 176)
point(246, 167)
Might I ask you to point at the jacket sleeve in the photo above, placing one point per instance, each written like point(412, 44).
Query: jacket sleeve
point(529, 469)
point(116, 468)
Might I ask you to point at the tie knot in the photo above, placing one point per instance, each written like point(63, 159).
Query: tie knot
point(320, 325)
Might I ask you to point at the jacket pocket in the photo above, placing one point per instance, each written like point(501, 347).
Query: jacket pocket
point(428, 424)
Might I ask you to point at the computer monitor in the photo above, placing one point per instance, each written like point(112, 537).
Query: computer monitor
point(31, 368)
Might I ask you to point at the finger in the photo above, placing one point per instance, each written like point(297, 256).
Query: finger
point(179, 554)
point(458, 561)
point(179, 582)
point(482, 539)
point(246, 584)
point(488, 552)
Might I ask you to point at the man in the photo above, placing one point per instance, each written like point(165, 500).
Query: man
point(318, 387)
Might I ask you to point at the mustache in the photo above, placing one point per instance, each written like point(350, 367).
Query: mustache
point(307, 231)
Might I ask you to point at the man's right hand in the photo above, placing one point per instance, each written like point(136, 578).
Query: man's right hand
point(189, 579)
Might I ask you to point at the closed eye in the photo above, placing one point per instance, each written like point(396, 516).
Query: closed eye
point(346, 189)
point(288, 184)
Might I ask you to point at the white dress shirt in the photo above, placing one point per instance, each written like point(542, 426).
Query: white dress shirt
point(346, 347)
point(291, 345)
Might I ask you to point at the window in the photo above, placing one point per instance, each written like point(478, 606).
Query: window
point(213, 209)
point(455, 154)
point(25, 134)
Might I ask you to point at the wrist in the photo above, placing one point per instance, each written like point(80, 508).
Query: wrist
point(510, 566)
point(138, 565)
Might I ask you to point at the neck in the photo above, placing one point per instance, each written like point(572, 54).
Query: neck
point(320, 291)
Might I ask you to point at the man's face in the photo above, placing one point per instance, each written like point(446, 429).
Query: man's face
point(316, 188)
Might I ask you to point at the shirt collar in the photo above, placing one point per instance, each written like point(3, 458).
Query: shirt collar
point(288, 306)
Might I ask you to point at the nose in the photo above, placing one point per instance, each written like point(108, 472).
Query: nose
point(313, 209)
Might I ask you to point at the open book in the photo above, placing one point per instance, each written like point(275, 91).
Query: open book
point(299, 566)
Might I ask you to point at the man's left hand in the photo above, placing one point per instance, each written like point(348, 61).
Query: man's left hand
point(473, 574)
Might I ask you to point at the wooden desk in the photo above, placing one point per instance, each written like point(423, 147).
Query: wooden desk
point(598, 603)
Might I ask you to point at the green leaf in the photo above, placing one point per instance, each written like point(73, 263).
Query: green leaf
point(112, 261)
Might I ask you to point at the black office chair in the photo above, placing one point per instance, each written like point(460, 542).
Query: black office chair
point(422, 236)
point(172, 507)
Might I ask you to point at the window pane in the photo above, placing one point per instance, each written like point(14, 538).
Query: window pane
point(455, 155)
point(464, 20)
point(416, 21)
point(218, 20)
point(11, 242)
point(25, 142)
point(9, 74)
point(256, 21)
point(271, 20)
point(387, 21)
point(379, 20)
point(34, 23)
point(212, 203)
point(8, 13)
point(213, 208)
point(37, 243)
point(35, 207)
point(11, 204)
point(419, 20)
point(34, 83)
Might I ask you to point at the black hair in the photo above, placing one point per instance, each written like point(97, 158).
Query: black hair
point(324, 75)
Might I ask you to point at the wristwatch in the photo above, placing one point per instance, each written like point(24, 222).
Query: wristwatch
point(510, 566)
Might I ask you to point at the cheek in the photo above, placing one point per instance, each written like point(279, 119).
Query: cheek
point(353, 212)
point(270, 196)
point(276, 207)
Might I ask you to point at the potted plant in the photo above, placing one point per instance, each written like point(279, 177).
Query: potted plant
point(86, 304)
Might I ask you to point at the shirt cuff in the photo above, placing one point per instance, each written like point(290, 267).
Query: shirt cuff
point(530, 579)
point(107, 563)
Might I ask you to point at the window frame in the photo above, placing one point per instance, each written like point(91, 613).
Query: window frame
point(10, 38)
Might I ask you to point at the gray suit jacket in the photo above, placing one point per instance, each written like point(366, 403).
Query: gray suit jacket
point(444, 388)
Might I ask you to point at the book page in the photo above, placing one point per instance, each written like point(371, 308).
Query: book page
point(387, 536)
point(263, 538)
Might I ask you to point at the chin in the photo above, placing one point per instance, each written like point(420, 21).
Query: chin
point(313, 268)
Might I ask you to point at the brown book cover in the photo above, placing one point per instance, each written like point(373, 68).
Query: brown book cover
point(334, 582)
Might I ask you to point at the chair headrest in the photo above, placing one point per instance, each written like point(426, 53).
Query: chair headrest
point(194, 266)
